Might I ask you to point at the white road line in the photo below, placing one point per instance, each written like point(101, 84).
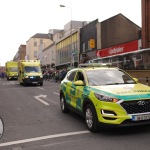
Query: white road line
point(12, 82)
point(43, 138)
point(56, 93)
point(39, 99)
point(41, 88)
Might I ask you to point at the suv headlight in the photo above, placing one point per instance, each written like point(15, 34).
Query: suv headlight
point(106, 98)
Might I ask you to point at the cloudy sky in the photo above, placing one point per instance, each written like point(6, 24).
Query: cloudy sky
point(21, 19)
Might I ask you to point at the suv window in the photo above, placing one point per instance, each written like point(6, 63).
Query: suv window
point(80, 76)
point(71, 75)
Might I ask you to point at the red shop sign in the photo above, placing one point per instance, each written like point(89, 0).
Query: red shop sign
point(119, 49)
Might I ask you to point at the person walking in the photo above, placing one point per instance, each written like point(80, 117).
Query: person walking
point(63, 74)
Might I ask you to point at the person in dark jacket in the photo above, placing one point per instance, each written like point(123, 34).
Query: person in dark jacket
point(63, 74)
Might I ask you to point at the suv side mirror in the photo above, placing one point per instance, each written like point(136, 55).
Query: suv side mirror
point(79, 83)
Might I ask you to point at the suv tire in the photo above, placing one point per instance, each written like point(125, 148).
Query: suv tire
point(63, 105)
point(91, 118)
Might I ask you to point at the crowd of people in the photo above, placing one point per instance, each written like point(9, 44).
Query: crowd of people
point(54, 75)
point(2, 75)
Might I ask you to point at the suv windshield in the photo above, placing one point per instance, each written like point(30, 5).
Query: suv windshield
point(108, 77)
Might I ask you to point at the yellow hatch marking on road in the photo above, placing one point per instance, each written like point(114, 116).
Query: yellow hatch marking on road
point(43, 138)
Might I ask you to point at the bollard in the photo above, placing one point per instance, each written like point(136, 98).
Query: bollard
point(146, 80)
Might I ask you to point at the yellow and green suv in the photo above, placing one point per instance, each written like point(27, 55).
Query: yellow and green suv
point(105, 95)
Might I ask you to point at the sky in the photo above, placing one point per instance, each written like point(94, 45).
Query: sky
point(21, 19)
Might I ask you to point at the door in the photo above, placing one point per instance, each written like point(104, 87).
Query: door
point(78, 91)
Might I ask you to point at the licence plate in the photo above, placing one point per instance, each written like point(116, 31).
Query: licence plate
point(140, 117)
point(32, 77)
point(34, 82)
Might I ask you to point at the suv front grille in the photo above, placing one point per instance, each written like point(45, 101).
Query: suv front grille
point(136, 106)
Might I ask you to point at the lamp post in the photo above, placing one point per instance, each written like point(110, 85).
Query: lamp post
point(72, 55)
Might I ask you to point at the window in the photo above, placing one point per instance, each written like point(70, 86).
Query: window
point(35, 54)
point(108, 77)
point(14, 69)
point(71, 75)
point(35, 44)
point(32, 69)
point(80, 76)
point(41, 41)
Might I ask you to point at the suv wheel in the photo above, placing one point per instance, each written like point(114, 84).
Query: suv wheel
point(63, 105)
point(91, 118)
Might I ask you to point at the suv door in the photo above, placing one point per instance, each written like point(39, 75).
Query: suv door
point(78, 91)
point(69, 87)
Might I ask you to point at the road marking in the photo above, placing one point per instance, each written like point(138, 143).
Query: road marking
point(17, 148)
point(39, 99)
point(12, 82)
point(9, 83)
point(43, 138)
point(45, 98)
point(56, 93)
point(41, 88)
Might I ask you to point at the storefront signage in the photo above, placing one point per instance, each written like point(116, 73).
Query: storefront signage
point(118, 49)
point(92, 43)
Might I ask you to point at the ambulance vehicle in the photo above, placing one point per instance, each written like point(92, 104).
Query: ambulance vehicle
point(29, 72)
point(11, 70)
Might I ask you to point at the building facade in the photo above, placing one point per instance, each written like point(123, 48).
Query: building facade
point(113, 31)
point(49, 56)
point(145, 24)
point(117, 40)
point(67, 48)
point(21, 53)
point(89, 41)
point(36, 44)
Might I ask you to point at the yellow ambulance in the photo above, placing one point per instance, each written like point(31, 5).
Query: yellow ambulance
point(29, 72)
point(11, 70)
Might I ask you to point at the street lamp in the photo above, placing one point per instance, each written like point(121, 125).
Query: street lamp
point(72, 55)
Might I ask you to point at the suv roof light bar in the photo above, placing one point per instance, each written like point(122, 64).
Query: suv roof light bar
point(95, 65)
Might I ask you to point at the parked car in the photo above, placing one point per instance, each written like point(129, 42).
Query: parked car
point(105, 95)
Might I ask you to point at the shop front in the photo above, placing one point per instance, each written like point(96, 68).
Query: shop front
point(127, 56)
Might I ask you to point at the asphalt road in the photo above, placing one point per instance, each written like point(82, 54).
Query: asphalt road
point(33, 121)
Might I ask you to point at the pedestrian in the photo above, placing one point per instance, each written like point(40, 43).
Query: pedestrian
point(63, 74)
point(3, 75)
